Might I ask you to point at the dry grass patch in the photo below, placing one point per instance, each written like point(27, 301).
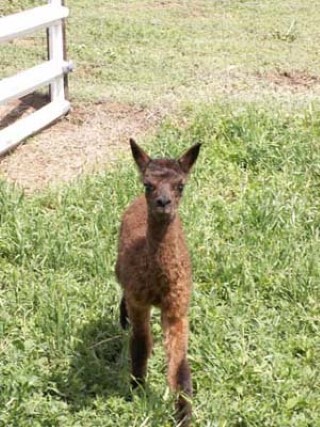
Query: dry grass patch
point(90, 137)
point(294, 79)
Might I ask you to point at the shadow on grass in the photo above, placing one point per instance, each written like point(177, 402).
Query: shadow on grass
point(28, 103)
point(99, 366)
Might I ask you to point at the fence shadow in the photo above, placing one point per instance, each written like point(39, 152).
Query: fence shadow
point(99, 366)
point(31, 102)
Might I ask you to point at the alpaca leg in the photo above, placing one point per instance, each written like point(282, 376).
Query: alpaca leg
point(179, 376)
point(124, 314)
point(140, 342)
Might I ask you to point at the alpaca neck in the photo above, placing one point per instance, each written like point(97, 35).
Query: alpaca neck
point(162, 236)
point(167, 260)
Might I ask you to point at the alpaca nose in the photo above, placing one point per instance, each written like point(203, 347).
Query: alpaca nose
point(163, 201)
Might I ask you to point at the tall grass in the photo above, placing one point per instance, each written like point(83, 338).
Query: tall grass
point(251, 214)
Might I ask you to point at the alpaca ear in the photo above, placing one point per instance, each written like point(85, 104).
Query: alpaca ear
point(141, 158)
point(187, 160)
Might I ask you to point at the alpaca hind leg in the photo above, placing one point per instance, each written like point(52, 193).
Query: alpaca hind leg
point(140, 342)
point(124, 318)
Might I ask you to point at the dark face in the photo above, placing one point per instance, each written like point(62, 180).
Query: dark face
point(164, 182)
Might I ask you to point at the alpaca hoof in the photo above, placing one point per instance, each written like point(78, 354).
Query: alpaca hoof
point(183, 412)
point(137, 383)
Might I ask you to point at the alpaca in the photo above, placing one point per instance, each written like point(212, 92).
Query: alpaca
point(154, 269)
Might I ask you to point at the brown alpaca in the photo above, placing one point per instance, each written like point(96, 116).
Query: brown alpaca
point(154, 269)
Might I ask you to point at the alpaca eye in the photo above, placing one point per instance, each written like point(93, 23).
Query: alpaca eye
point(180, 188)
point(148, 187)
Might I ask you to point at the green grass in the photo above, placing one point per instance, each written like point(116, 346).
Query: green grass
point(165, 53)
point(251, 214)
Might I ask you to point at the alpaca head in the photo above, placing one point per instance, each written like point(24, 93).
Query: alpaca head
point(164, 180)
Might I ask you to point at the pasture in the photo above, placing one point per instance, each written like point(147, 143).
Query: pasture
point(241, 77)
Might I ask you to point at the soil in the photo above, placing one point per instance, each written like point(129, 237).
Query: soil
point(88, 139)
point(93, 135)
point(294, 79)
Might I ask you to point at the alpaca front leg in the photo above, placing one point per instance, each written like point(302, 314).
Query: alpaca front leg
point(179, 376)
point(140, 343)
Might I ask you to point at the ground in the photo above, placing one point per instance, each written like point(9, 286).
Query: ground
point(92, 136)
point(87, 139)
point(240, 76)
point(134, 69)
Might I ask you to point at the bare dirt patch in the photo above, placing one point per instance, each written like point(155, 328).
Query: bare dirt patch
point(89, 139)
point(294, 79)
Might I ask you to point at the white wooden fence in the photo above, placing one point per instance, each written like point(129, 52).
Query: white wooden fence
point(51, 72)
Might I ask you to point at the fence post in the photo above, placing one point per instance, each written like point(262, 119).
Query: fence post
point(51, 72)
point(56, 54)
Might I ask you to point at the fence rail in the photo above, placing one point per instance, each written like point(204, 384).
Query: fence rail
point(51, 72)
point(20, 24)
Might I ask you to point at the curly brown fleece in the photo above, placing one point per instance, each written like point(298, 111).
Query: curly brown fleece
point(154, 269)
